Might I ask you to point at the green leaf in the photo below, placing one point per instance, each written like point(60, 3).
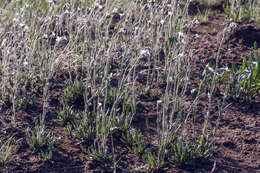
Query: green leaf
point(238, 91)
point(214, 131)
point(201, 140)
point(255, 45)
point(21, 3)
point(252, 56)
point(249, 83)
point(244, 63)
point(252, 92)
point(223, 78)
point(257, 73)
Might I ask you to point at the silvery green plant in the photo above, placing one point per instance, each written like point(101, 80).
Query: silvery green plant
point(121, 107)
point(150, 159)
point(123, 121)
point(94, 153)
point(173, 117)
point(181, 152)
point(239, 10)
point(47, 73)
point(245, 81)
point(40, 141)
point(133, 140)
point(73, 94)
point(177, 69)
point(211, 76)
point(94, 57)
point(97, 148)
point(85, 130)
point(67, 116)
point(68, 130)
point(5, 151)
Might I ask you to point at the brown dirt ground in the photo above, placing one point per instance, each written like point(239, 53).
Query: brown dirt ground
point(237, 146)
point(238, 137)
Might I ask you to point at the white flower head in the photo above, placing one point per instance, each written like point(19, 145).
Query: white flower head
point(233, 25)
point(209, 95)
point(25, 63)
point(53, 34)
point(57, 60)
point(123, 31)
point(181, 54)
point(193, 91)
point(162, 22)
point(59, 39)
point(115, 10)
point(143, 73)
point(15, 20)
point(180, 34)
point(145, 53)
point(225, 69)
point(45, 36)
point(21, 25)
point(4, 41)
point(181, 37)
point(196, 22)
point(100, 7)
point(26, 28)
point(197, 35)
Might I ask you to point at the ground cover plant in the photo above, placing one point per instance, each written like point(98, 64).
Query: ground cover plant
point(129, 86)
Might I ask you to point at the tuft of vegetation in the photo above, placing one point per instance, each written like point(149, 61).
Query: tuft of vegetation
point(73, 95)
point(40, 141)
point(5, 151)
point(239, 10)
point(245, 81)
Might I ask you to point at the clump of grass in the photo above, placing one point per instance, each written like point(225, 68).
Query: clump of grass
point(239, 10)
point(241, 82)
point(85, 131)
point(245, 81)
point(67, 116)
point(5, 151)
point(133, 140)
point(73, 95)
point(181, 152)
point(40, 141)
